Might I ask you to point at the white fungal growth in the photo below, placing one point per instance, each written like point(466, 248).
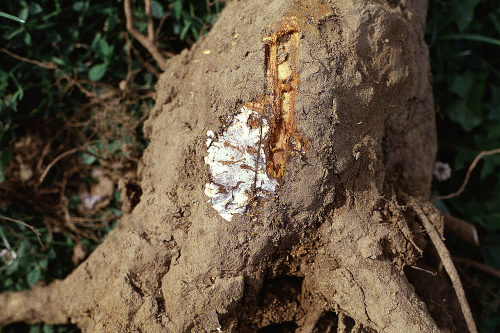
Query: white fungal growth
point(237, 164)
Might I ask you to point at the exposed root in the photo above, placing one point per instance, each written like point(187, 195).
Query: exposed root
point(42, 303)
point(149, 41)
point(418, 207)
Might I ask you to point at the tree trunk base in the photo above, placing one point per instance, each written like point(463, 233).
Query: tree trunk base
point(351, 124)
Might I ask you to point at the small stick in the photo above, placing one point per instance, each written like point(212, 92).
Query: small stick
point(447, 261)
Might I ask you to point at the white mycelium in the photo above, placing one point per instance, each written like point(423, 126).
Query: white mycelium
point(237, 164)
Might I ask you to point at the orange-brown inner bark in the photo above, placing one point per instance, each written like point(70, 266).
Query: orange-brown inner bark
point(282, 49)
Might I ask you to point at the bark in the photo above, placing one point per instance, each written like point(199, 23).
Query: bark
point(351, 132)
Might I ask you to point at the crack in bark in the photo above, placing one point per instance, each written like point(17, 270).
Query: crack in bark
point(369, 321)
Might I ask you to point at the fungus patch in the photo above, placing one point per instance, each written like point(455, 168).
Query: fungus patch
point(236, 163)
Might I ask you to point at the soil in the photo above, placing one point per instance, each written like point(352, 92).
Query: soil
point(331, 250)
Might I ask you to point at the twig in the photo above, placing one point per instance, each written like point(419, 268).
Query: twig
point(424, 270)
point(467, 176)
point(149, 42)
point(45, 64)
point(35, 230)
point(446, 259)
point(478, 265)
point(62, 75)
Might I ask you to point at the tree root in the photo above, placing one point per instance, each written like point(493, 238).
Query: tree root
point(429, 220)
point(42, 303)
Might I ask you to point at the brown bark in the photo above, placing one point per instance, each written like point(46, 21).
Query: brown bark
point(333, 240)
